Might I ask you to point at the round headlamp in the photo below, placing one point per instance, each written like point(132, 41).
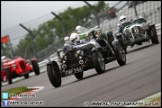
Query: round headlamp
point(127, 31)
point(63, 58)
point(79, 53)
point(144, 26)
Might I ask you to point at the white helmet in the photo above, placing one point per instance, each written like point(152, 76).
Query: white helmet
point(140, 17)
point(122, 19)
point(118, 24)
point(74, 36)
point(3, 57)
point(77, 28)
point(66, 38)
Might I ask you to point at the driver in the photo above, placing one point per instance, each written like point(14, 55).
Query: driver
point(74, 38)
point(89, 37)
point(67, 43)
point(4, 59)
point(123, 22)
point(79, 29)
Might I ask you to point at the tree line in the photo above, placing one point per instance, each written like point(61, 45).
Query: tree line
point(51, 31)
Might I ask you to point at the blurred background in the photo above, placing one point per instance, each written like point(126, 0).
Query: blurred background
point(42, 36)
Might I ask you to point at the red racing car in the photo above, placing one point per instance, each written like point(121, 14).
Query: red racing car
point(17, 67)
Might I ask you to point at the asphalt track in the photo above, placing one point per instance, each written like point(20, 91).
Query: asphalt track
point(139, 78)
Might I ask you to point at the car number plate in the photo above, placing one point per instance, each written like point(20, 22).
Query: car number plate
point(74, 70)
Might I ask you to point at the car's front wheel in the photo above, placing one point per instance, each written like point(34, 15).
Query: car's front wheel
point(120, 55)
point(79, 75)
point(98, 62)
point(54, 75)
point(8, 76)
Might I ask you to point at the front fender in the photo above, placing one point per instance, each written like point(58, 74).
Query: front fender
point(94, 49)
point(52, 63)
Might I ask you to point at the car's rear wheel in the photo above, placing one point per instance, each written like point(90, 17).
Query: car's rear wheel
point(120, 55)
point(79, 75)
point(122, 43)
point(98, 62)
point(8, 76)
point(54, 75)
point(35, 67)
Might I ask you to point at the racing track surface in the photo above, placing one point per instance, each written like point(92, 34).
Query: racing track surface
point(139, 78)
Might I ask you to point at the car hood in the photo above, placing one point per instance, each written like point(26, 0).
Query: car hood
point(87, 45)
point(9, 62)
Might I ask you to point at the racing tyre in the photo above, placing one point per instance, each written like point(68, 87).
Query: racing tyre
point(122, 43)
point(54, 74)
point(26, 76)
point(79, 75)
point(121, 55)
point(35, 67)
point(154, 37)
point(98, 62)
point(8, 76)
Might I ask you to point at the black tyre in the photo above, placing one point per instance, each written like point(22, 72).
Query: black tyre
point(8, 76)
point(35, 67)
point(120, 55)
point(54, 74)
point(122, 43)
point(26, 76)
point(154, 37)
point(79, 75)
point(98, 62)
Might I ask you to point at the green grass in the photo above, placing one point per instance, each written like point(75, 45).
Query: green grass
point(16, 90)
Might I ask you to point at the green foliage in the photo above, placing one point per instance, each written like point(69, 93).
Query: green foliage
point(6, 49)
point(100, 6)
point(49, 32)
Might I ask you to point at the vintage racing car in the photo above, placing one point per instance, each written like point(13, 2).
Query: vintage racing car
point(18, 67)
point(137, 32)
point(77, 59)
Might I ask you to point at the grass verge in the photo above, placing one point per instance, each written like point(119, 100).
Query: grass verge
point(16, 90)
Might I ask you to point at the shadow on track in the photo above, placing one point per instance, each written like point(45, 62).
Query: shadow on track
point(91, 76)
point(140, 48)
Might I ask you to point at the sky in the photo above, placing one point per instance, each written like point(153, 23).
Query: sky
point(31, 14)
point(15, 12)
